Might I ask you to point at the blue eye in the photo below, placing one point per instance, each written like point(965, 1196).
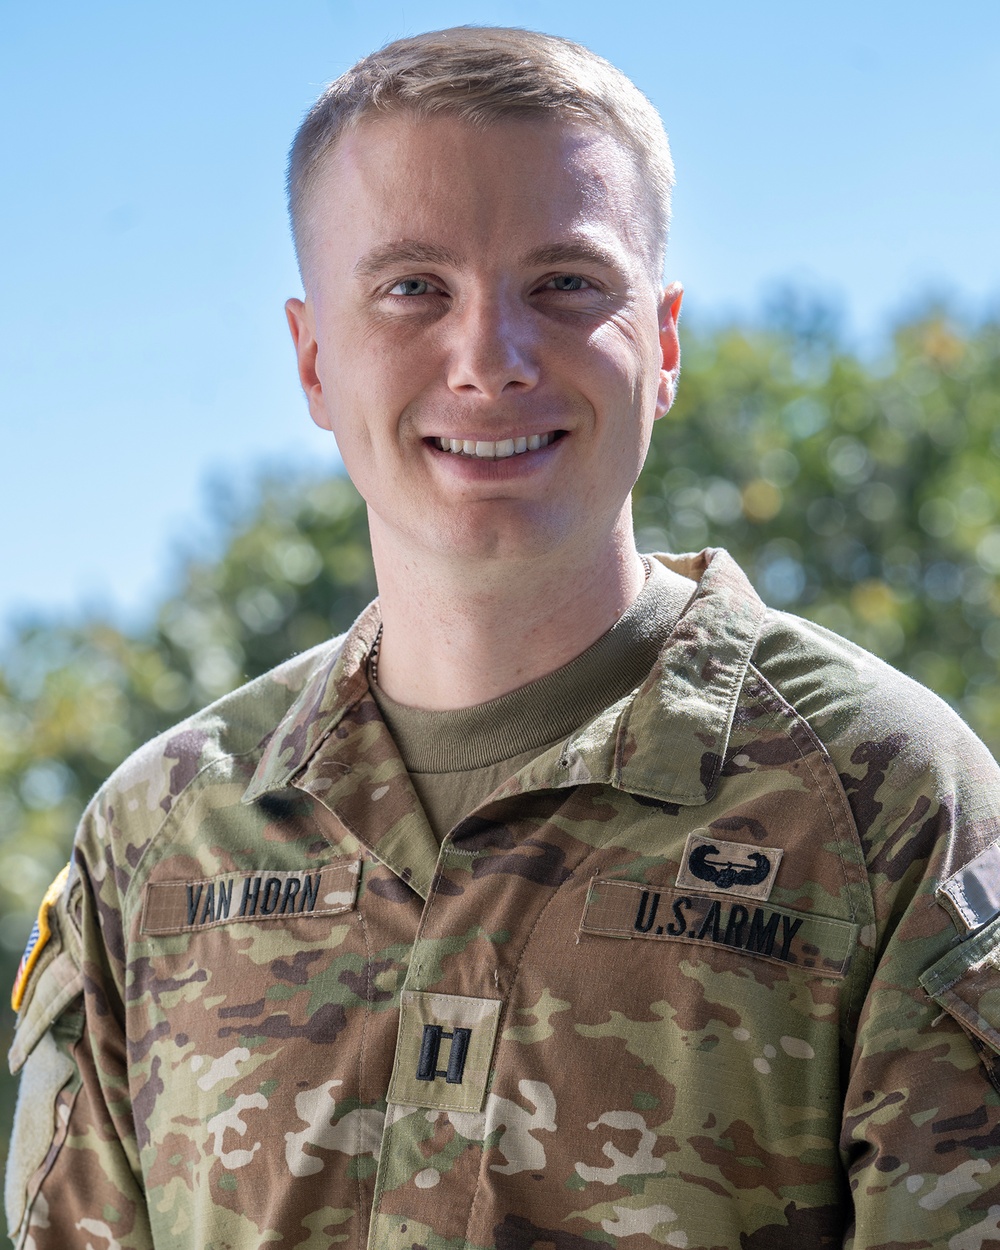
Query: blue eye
point(568, 282)
point(411, 286)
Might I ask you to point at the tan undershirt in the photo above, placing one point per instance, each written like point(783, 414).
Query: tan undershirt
point(456, 758)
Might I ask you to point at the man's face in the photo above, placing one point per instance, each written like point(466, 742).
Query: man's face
point(483, 332)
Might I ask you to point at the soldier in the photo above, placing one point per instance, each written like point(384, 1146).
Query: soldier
point(572, 897)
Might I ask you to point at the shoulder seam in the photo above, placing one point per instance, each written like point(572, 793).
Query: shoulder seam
point(330, 649)
point(798, 720)
point(178, 799)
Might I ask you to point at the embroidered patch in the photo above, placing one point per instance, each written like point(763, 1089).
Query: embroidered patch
point(727, 867)
point(628, 909)
point(443, 1051)
point(185, 906)
point(38, 939)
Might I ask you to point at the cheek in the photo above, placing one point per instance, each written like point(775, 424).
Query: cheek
point(379, 367)
point(624, 362)
point(353, 394)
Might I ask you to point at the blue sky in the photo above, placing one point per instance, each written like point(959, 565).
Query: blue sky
point(851, 149)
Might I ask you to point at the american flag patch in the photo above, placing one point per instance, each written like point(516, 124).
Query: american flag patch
point(41, 931)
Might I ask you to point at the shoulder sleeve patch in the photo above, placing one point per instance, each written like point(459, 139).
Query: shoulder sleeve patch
point(38, 939)
point(972, 895)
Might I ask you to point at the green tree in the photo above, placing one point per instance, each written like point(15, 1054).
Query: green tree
point(863, 496)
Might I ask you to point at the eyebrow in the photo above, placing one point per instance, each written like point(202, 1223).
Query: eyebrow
point(414, 252)
point(404, 252)
point(572, 252)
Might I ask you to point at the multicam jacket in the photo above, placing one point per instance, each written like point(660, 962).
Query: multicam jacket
point(722, 970)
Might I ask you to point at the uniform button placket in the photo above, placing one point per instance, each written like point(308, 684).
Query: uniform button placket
point(447, 1037)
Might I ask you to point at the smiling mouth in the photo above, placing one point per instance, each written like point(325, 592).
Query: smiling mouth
point(484, 449)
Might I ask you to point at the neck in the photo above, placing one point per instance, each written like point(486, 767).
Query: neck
point(458, 632)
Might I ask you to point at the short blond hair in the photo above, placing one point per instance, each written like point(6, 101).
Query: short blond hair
point(482, 74)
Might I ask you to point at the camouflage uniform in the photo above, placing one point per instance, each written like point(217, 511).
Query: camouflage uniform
point(721, 970)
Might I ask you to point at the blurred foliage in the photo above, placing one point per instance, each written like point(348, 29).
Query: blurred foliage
point(865, 496)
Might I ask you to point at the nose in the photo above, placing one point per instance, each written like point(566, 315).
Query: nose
point(493, 349)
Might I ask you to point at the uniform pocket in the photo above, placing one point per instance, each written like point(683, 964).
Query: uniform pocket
point(49, 1084)
point(54, 988)
point(966, 983)
point(49, 1024)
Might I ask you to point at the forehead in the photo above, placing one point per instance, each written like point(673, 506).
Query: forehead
point(489, 188)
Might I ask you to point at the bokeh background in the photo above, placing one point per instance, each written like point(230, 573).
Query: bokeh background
point(170, 521)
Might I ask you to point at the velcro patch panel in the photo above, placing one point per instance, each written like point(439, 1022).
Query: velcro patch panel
point(973, 893)
point(238, 897)
point(629, 909)
point(443, 1051)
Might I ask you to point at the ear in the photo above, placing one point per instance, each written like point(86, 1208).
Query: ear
point(301, 322)
point(670, 363)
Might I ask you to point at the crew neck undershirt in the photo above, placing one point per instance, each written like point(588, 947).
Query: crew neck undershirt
point(456, 758)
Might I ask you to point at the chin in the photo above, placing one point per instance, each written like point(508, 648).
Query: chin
point(529, 538)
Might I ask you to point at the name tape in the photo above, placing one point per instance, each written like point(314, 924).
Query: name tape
point(184, 906)
point(629, 909)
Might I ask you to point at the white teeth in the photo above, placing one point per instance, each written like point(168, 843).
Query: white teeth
point(484, 449)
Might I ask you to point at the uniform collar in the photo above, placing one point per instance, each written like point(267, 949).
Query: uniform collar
point(672, 736)
point(665, 741)
point(338, 683)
